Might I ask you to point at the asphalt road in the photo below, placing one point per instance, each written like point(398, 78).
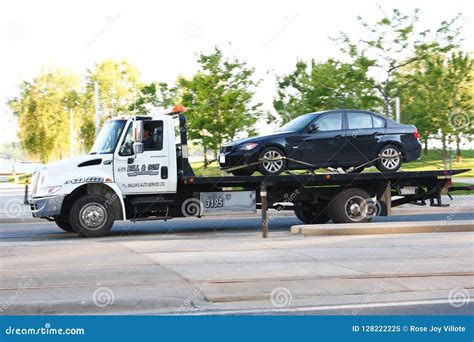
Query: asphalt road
point(48, 230)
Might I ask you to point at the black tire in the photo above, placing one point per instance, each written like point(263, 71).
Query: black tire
point(315, 215)
point(63, 223)
point(389, 164)
point(351, 206)
point(271, 168)
point(242, 172)
point(91, 216)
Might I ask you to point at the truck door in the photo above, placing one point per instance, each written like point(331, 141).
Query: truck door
point(154, 170)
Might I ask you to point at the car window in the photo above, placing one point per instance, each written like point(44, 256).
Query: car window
point(330, 122)
point(359, 120)
point(378, 122)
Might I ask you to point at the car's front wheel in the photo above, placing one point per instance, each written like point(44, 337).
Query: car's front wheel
point(273, 161)
point(390, 159)
point(91, 216)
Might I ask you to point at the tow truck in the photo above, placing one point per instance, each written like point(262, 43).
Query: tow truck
point(138, 169)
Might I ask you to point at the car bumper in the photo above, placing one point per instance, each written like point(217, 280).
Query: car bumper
point(413, 152)
point(232, 159)
point(46, 206)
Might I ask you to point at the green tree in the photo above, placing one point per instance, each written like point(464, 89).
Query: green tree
point(322, 86)
point(393, 42)
point(42, 109)
point(119, 88)
point(155, 94)
point(438, 100)
point(220, 100)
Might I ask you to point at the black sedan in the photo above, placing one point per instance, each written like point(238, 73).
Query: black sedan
point(347, 139)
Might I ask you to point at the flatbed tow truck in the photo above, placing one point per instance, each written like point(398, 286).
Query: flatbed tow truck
point(123, 179)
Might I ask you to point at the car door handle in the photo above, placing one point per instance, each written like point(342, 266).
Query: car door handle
point(339, 136)
point(377, 133)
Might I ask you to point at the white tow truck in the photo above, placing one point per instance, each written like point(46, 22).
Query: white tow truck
point(138, 169)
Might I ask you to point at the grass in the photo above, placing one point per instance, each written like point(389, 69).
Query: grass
point(431, 161)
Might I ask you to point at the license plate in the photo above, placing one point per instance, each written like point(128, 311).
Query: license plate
point(408, 190)
point(222, 159)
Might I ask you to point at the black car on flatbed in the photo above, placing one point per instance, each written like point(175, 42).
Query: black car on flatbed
point(349, 139)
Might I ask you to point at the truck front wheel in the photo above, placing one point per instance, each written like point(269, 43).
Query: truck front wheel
point(63, 223)
point(91, 216)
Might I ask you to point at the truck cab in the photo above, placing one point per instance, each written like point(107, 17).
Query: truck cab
point(130, 173)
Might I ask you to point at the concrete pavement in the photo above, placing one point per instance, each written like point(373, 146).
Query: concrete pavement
point(225, 270)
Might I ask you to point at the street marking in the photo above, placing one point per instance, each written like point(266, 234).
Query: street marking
point(323, 308)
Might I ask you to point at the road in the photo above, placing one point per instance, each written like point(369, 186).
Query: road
point(223, 266)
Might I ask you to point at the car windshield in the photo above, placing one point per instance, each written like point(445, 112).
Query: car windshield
point(298, 123)
point(108, 137)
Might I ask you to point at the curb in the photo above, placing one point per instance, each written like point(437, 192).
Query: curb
point(383, 228)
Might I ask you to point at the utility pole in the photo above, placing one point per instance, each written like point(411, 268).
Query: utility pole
point(96, 106)
point(71, 133)
point(397, 108)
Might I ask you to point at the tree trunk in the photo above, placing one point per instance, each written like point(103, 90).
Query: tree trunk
point(205, 157)
point(425, 150)
point(458, 148)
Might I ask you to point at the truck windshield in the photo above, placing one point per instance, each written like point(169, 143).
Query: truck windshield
point(108, 137)
point(297, 124)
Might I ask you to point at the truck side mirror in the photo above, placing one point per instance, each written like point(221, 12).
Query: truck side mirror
point(138, 136)
point(137, 147)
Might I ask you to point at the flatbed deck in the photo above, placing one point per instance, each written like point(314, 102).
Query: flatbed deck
point(319, 179)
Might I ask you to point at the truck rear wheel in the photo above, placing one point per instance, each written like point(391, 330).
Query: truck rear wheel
point(351, 206)
point(91, 216)
point(316, 215)
point(63, 223)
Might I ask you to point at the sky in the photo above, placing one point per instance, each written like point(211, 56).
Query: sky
point(162, 38)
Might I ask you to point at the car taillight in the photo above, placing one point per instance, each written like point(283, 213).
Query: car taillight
point(416, 135)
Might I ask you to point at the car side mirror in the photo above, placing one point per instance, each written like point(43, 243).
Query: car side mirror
point(138, 136)
point(313, 127)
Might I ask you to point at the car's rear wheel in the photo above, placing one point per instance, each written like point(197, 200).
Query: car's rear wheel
point(273, 161)
point(91, 216)
point(63, 223)
point(242, 172)
point(390, 159)
point(316, 215)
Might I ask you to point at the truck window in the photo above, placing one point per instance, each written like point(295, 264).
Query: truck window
point(126, 149)
point(153, 135)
